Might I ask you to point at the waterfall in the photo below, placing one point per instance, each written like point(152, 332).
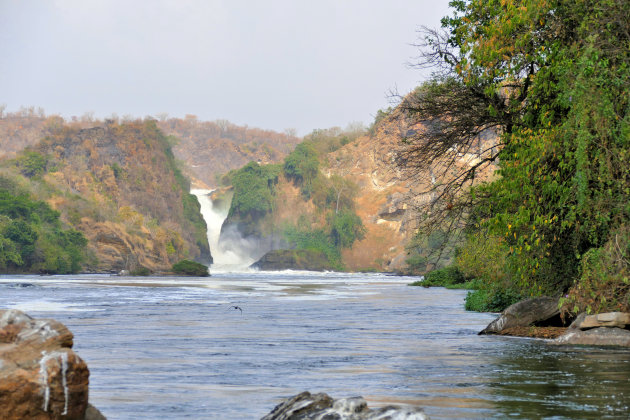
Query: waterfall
point(233, 253)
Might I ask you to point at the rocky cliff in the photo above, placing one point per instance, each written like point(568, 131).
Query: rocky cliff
point(119, 184)
point(390, 197)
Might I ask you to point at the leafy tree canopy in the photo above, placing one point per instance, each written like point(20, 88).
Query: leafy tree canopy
point(552, 78)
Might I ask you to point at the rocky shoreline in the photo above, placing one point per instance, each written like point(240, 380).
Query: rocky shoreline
point(541, 318)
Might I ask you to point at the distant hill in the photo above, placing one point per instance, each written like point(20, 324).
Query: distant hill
point(208, 148)
point(212, 148)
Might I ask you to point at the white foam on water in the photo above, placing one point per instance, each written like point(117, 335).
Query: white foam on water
point(42, 305)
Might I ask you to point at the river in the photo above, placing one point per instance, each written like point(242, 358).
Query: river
point(176, 348)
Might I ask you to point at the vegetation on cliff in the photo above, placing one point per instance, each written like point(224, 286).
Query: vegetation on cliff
point(553, 78)
point(119, 185)
point(32, 238)
point(330, 224)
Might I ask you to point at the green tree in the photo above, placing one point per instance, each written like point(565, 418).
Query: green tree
point(345, 228)
point(302, 166)
point(553, 79)
point(32, 163)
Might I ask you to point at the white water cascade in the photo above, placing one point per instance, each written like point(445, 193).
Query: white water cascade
point(234, 253)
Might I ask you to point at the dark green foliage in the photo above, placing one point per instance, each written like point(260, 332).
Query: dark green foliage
point(33, 240)
point(117, 170)
point(253, 190)
point(140, 271)
point(32, 163)
point(345, 228)
point(302, 166)
point(485, 300)
point(341, 231)
point(554, 78)
point(315, 240)
point(190, 268)
point(443, 277)
point(254, 199)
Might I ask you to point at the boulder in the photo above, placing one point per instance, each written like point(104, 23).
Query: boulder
point(293, 259)
point(608, 319)
point(40, 376)
point(600, 336)
point(540, 311)
point(307, 406)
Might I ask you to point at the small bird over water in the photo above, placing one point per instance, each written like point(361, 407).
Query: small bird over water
point(236, 307)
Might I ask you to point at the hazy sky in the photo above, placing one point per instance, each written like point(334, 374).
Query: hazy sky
point(267, 63)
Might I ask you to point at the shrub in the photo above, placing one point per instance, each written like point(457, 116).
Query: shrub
point(487, 300)
point(140, 271)
point(32, 163)
point(302, 165)
point(443, 277)
point(604, 282)
point(417, 263)
point(190, 268)
point(345, 228)
point(304, 238)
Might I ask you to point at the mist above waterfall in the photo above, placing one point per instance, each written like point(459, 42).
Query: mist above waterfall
point(232, 251)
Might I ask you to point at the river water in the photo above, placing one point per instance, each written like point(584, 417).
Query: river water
point(173, 348)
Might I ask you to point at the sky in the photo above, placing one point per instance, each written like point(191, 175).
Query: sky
point(272, 64)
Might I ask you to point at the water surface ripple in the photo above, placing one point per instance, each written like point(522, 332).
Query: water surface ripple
point(172, 348)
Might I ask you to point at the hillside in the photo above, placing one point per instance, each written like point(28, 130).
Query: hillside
point(207, 148)
point(358, 174)
point(391, 198)
point(212, 148)
point(119, 185)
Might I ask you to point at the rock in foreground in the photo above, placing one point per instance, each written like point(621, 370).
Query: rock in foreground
point(307, 406)
point(40, 376)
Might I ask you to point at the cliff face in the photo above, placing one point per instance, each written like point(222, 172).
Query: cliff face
point(120, 186)
point(390, 197)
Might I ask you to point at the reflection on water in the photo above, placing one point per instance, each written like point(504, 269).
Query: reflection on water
point(171, 348)
point(572, 382)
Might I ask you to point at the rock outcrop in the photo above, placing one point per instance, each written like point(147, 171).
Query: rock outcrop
point(540, 311)
point(40, 376)
point(602, 336)
point(293, 259)
point(307, 406)
point(606, 329)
